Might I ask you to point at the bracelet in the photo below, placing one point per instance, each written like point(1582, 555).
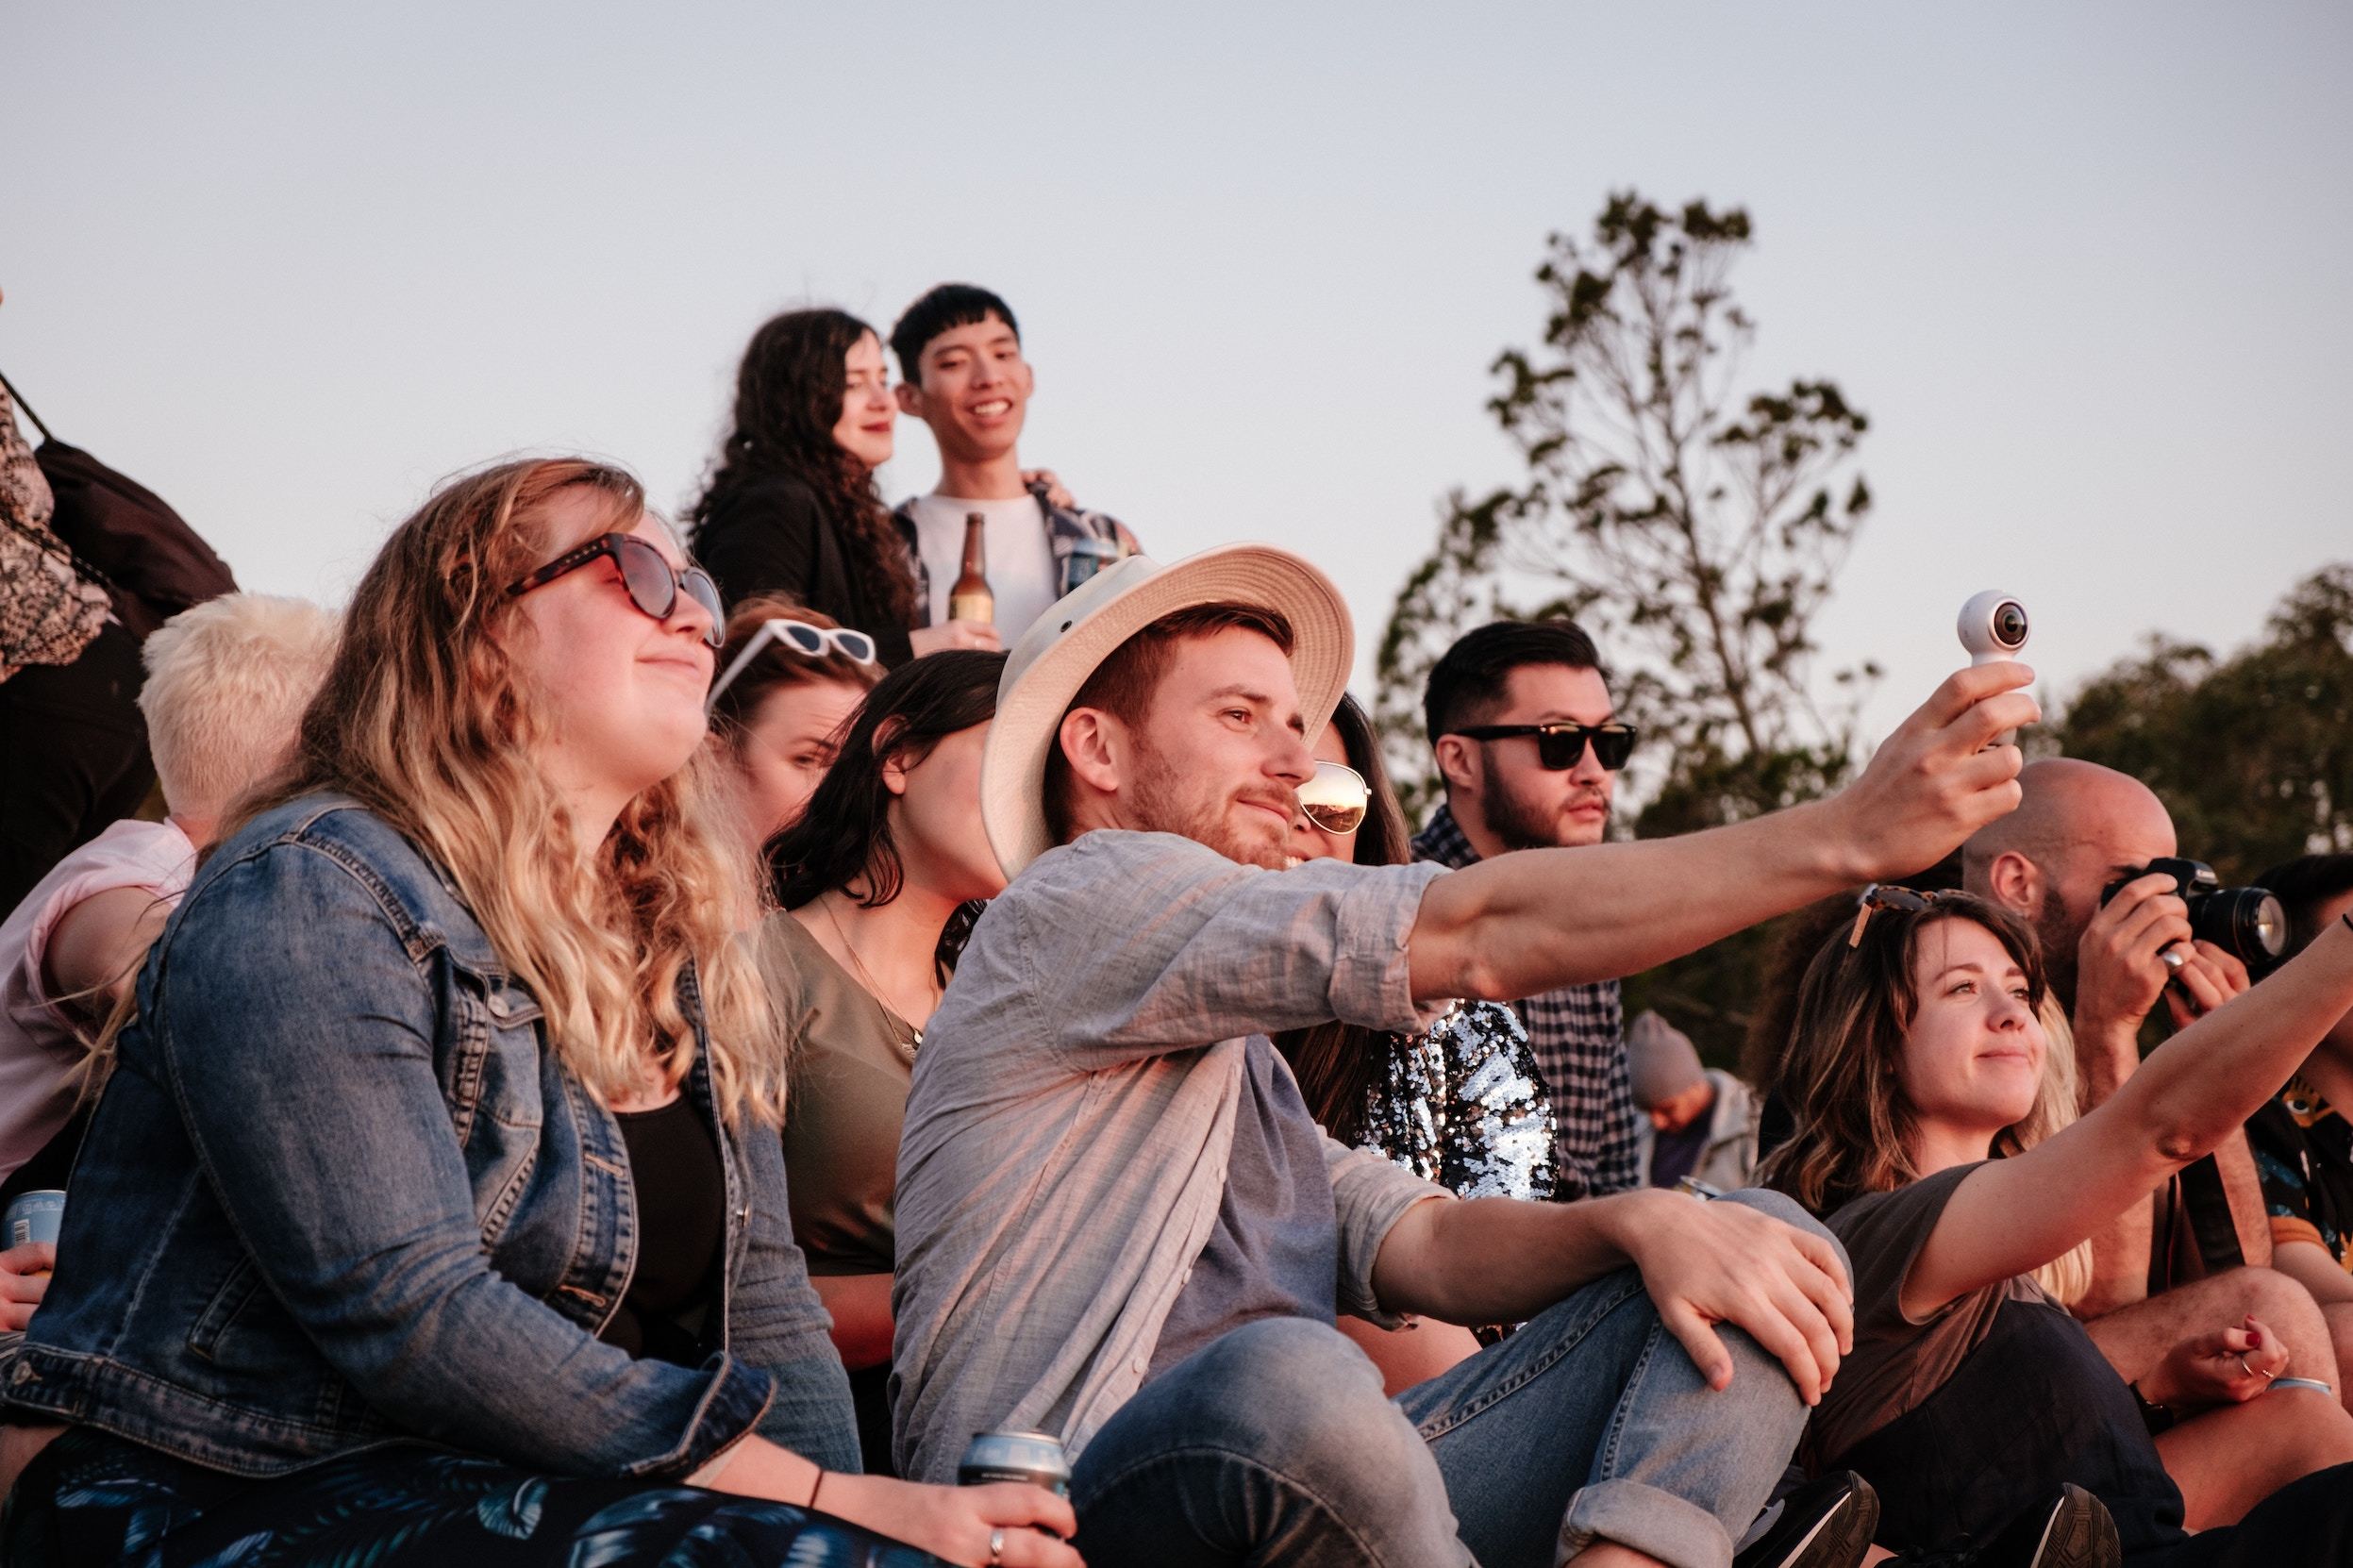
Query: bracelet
point(814, 1487)
point(2156, 1418)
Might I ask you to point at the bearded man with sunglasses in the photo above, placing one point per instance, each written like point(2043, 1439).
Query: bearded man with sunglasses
point(1528, 747)
point(1117, 1224)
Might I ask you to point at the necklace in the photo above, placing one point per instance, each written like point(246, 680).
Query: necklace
point(890, 1021)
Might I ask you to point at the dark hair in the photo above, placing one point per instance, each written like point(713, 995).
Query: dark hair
point(778, 666)
point(1339, 1064)
point(943, 310)
point(1843, 1072)
point(1466, 684)
point(844, 834)
point(2305, 886)
point(1123, 684)
point(788, 399)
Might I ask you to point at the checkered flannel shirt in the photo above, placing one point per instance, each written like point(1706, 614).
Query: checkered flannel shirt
point(1578, 1033)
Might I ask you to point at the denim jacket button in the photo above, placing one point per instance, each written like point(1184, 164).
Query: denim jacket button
point(21, 1374)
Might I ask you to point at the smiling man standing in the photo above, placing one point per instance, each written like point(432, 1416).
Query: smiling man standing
point(961, 372)
point(1529, 748)
point(1118, 1224)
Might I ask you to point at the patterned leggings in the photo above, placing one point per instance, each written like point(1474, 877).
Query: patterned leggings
point(91, 1498)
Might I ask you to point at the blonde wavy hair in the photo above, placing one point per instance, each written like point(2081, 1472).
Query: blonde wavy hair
point(425, 720)
point(1841, 1075)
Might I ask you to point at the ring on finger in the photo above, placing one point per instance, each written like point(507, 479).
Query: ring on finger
point(996, 1547)
point(2173, 957)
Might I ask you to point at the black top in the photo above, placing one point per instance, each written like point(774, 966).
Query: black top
point(681, 1221)
point(774, 534)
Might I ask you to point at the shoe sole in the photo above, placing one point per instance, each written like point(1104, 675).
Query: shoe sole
point(2079, 1534)
point(1840, 1538)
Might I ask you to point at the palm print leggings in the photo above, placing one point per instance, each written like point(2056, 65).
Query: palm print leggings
point(92, 1498)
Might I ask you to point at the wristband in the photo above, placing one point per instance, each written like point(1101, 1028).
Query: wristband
point(2155, 1417)
point(815, 1487)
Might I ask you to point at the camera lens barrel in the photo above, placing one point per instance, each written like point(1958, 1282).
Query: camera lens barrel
point(2009, 624)
point(2246, 922)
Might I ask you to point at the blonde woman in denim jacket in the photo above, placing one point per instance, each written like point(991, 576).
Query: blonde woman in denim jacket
point(360, 1264)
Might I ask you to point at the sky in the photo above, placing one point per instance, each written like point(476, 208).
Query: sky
point(2083, 265)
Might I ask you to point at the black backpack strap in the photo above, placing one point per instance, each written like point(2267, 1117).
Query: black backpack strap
point(18, 398)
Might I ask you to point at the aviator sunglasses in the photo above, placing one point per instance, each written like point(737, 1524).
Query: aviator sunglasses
point(1560, 745)
point(653, 583)
point(803, 638)
point(1887, 895)
point(1335, 798)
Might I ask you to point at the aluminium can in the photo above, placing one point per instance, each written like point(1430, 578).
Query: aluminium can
point(1031, 1456)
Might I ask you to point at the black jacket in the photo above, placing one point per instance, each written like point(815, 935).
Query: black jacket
point(776, 535)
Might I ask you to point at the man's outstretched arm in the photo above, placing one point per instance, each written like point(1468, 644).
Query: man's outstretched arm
point(1527, 923)
point(1502, 1259)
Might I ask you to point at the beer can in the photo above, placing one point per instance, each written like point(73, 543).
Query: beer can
point(1087, 556)
point(34, 1217)
point(1031, 1456)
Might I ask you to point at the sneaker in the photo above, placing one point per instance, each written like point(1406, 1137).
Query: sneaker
point(2069, 1529)
point(1824, 1524)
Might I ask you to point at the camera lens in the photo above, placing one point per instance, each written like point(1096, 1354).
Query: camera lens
point(2246, 922)
point(2009, 624)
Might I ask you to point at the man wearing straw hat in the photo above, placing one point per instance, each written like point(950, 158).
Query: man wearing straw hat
point(1116, 1223)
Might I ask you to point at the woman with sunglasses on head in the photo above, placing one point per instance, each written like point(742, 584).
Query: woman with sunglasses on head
point(792, 509)
point(880, 880)
point(1458, 1104)
point(1937, 1136)
point(789, 679)
point(441, 1144)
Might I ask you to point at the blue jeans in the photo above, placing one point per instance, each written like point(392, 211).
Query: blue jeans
point(1275, 1444)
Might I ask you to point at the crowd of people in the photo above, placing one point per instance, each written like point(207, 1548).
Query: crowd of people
point(634, 1044)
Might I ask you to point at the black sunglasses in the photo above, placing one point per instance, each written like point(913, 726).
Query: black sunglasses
point(1559, 746)
point(653, 583)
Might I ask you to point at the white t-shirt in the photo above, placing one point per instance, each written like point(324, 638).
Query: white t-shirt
point(37, 1047)
point(1023, 573)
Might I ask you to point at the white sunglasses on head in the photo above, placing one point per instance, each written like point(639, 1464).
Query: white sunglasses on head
point(803, 638)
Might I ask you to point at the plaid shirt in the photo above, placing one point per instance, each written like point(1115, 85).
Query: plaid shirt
point(1578, 1033)
point(1064, 526)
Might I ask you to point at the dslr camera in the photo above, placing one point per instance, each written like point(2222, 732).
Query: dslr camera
point(2246, 922)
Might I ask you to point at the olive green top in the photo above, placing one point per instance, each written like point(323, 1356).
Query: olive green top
point(853, 1059)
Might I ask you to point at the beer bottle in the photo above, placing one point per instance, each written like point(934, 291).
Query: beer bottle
point(970, 599)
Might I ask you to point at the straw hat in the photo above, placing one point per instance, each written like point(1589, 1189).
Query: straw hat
point(1065, 645)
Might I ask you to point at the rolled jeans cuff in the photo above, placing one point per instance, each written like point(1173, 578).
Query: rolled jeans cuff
point(1675, 1530)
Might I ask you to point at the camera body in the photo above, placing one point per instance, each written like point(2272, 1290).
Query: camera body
point(2246, 922)
point(1992, 626)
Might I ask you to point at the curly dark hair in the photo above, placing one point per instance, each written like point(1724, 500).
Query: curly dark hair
point(788, 398)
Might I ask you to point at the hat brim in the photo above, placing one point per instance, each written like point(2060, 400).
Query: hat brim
point(1034, 696)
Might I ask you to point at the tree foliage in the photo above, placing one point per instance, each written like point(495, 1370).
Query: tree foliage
point(1694, 528)
point(2252, 754)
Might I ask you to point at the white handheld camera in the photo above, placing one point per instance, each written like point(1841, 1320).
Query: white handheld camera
point(1992, 626)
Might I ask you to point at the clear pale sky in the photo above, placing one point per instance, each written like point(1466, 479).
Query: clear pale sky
point(2085, 265)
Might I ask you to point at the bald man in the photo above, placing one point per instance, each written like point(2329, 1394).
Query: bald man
point(2079, 827)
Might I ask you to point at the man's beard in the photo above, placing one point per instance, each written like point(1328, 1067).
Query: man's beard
point(1518, 823)
point(2058, 935)
point(1160, 802)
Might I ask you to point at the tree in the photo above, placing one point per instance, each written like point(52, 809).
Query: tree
point(2253, 754)
point(1696, 532)
point(1694, 529)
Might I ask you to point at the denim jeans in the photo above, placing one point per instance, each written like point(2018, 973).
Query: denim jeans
point(1276, 1444)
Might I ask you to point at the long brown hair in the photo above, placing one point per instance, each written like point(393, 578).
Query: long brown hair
point(424, 720)
point(1842, 1078)
point(788, 399)
point(1339, 1064)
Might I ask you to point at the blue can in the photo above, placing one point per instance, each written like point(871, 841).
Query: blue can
point(34, 1217)
point(1031, 1456)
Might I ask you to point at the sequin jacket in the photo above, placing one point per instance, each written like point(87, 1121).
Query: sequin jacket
point(1461, 1105)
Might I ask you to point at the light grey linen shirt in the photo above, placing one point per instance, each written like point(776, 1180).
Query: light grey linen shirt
point(1073, 1109)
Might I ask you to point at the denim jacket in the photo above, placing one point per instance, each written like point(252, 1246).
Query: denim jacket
point(340, 1192)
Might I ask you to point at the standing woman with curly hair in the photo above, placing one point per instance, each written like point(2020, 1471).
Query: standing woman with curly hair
point(434, 1211)
point(792, 509)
